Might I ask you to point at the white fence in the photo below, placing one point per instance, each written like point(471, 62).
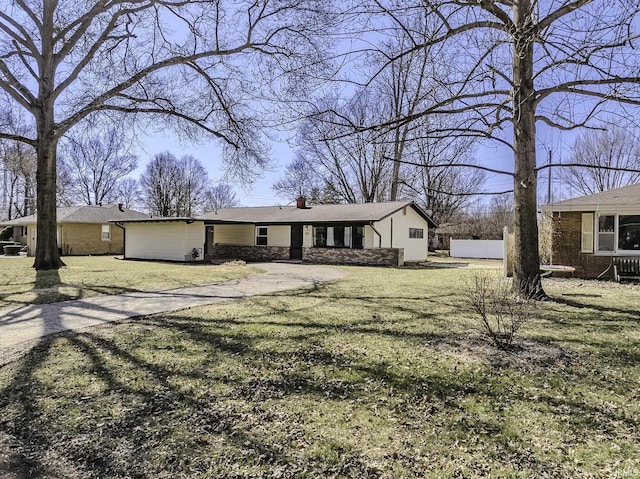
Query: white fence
point(493, 249)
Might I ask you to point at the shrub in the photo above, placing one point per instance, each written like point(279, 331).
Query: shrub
point(6, 233)
point(499, 312)
point(12, 250)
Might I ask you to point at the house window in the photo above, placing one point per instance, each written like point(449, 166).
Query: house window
point(351, 236)
point(614, 233)
point(261, 236)
point(416, 233)
point(629, 232)
point(23, 231)
point(106, 232)
point(606, 233)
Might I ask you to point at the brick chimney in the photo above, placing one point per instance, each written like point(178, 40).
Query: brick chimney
point(301, 202)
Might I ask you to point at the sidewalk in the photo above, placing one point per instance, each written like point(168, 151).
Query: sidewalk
point(29, 323)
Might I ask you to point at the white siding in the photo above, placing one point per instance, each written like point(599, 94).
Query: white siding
point(195, 239)
point(279, 235)
point(243, 235)
point(371, 239)
point(395, 234)
point(163, 241)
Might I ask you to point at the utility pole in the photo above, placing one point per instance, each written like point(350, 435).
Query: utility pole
point(549, 199)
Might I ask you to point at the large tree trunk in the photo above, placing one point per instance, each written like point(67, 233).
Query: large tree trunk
point(47, 256)
point(526, 267)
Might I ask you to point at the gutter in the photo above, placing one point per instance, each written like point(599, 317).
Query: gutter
point(376, 232)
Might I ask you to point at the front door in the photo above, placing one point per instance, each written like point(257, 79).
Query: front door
point(208, 240)
point(296, 242)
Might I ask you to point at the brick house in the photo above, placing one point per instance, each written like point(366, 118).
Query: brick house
point(369, 233)
point(82, 230)
point(592, 232)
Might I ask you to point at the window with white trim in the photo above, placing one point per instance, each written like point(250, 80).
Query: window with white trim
point(614, 233)
point(106, 232)
point(629, 232)
point(262, 236)
point(606, 233)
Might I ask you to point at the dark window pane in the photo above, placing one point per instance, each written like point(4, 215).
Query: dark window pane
point(358, 237)
point(629, 233)
point(261, 241)
point(416, 233)
point(320, 236)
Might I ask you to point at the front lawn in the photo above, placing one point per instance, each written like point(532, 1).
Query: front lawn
point(86, 276)
point(379, 375)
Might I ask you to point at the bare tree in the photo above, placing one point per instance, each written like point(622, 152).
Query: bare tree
point(127, 192)
point(192, 183)
point(160, 184)
point(219, 196)
point(19, 169)
point(174, 187)
point(605, 155)
point(354, 165)
point(433, 178)
point(300, 179)
point(521, 62)
point(194, 65)
point(96, 161)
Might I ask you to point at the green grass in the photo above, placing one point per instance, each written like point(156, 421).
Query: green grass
point(86, 276)
point(379, 375)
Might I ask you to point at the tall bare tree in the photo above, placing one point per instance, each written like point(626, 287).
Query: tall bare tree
point(561, 62)
point(127, 192)
point(160, 184)
point(96, 161)
point(174, 187)
point(355, 166)
point(300, 179)
point(195, 65)
point(192, 183)
point(435, 178)
point(19, 171)
point(219, 196)
point(604, 159)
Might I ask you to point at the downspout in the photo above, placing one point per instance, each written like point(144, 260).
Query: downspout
point(391, 236)
point(376, 232)
point(124, 239)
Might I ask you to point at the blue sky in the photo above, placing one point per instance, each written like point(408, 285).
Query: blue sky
point(209, 154)
point(261, 193)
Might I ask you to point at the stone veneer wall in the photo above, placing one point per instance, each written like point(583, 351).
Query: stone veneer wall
point(249, 253)
point(374, 257)
point(567, 242)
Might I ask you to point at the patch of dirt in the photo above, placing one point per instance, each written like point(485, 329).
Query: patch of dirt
point(525, 354)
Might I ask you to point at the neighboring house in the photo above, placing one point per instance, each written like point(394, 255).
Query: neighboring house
point(82, 230)
point(592, 232)
point(368, 233)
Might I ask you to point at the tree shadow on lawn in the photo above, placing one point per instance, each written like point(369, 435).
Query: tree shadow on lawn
point(629, 314)
point(164, 399)
point(48, 288)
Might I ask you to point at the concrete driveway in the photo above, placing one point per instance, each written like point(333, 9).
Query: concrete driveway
point(20, 327)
